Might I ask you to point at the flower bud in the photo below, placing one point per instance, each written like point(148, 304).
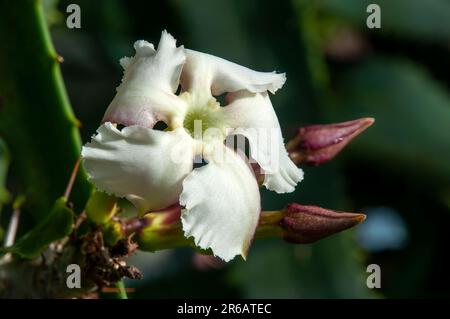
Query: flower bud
point(112, 232)
point(101, 207)
point(160, 230)
point(306, 224)
point(317, 144)
point(207, 262)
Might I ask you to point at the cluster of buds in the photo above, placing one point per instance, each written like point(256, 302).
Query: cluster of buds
point(296, 223)
point(301, 224)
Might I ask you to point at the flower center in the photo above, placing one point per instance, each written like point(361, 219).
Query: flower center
point(204, 122)
point(197, 121)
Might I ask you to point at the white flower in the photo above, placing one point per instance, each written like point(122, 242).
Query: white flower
point(154, 169)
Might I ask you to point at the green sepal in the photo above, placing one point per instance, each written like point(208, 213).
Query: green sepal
point(101, 207)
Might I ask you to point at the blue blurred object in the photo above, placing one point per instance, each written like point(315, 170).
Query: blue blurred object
point(384, 229)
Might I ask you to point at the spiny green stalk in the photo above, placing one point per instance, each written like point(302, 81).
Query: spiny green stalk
point(36, 120)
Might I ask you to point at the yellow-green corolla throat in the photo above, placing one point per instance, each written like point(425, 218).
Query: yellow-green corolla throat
point(203, 121)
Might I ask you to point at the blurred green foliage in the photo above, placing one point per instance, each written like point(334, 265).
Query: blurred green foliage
point(337, 70)
point(401, 96)
point(427, 21)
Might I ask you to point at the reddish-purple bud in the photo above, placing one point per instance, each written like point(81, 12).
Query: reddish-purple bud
point(207, 262)
point(306, 224)
point(317, 144)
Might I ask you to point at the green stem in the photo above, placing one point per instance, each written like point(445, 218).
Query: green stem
point(121, 292)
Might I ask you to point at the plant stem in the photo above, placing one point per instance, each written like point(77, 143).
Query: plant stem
point(121, 292)
point(37, 122)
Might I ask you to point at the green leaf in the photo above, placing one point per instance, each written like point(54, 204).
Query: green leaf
point(36, 119)
point(412, 113)
point(427, 21)
point(54, 226)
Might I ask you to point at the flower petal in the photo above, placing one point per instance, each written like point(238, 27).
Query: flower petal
point(205, 74)
point(252, 115)
point(222, 205)
point(150, 79)
point(143, 165)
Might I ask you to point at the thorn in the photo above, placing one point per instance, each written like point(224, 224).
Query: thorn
point(59, 59)
point(72, 179)
point(12, 228)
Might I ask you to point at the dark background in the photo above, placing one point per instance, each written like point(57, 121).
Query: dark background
point(398, 172)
